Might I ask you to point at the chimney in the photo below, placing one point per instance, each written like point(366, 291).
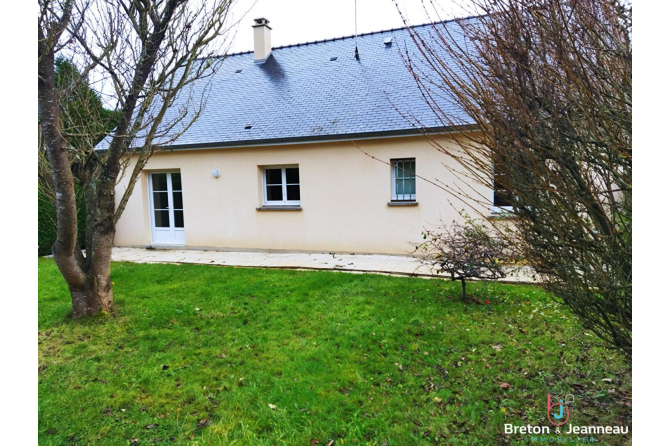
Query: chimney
point(262, 45)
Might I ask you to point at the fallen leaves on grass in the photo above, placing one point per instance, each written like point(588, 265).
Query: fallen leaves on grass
point(504, 385)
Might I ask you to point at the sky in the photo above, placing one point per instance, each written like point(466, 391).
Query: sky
point(299, 21)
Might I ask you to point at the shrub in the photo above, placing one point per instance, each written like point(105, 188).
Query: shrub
point(467, 251)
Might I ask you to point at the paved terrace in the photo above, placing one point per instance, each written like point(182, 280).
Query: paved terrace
point(352, 263)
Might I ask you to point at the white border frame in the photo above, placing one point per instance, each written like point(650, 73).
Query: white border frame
point(170, 204)
point(394, 196)
point(283, 184)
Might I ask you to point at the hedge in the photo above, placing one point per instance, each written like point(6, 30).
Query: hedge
point(46, 223)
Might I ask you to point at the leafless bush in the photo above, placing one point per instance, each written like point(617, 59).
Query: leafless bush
point(467, 251)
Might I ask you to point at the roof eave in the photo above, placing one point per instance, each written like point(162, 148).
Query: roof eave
point(322, 138)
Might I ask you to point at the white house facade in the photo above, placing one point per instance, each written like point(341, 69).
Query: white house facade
point(303, 148)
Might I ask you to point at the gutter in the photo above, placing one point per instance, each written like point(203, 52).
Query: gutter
point(318, 138)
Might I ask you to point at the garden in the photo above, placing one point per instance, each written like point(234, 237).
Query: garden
point(208, 355)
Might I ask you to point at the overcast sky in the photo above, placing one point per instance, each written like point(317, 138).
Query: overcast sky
point(299, 21)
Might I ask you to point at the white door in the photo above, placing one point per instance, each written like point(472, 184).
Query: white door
point(167, 208)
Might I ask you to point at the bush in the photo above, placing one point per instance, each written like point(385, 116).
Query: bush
point(467, 251)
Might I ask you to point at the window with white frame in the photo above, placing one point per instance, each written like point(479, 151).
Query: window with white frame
point(403, 182)
point(501, 203)
point(281, 186)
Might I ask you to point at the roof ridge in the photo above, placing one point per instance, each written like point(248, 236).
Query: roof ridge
point(291, 45)
point(379, 32)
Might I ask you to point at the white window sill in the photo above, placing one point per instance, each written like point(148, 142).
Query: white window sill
point(280, 208)
point(403, 203)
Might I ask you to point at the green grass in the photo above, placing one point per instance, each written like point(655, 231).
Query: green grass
point(195, 355)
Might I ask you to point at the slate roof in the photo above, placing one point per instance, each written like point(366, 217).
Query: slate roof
point(299, 94)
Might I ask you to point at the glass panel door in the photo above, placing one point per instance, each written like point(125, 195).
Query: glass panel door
point(167, 208)
point(161, 200)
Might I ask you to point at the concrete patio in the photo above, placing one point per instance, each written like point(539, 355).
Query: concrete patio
point(352, 263)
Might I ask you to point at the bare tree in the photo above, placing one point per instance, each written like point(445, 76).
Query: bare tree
point(143, 54)
point(467, 251)
point(547, 86)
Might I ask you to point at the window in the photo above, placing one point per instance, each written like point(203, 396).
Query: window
point(281, 186)
point(501, 202)
point(404, 179)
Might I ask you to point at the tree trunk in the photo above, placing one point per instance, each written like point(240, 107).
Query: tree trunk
point(97, 296)
point(462, 288)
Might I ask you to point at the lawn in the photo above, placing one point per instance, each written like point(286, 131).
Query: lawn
point(212, 355)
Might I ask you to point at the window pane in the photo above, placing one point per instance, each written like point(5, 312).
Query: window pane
point(500, 196)
point(161, 200)
point(292, 176)
point(159, 181)
point(178, 219)
point(176, 181)
point(162, 219)
point(272, 176)
point(274, 193)
point(410, 187)
point(401, 170)
point(177, 200)
point(406, 169)
point(293, 192)
point(399, 188)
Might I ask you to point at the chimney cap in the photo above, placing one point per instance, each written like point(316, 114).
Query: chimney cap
point(261, 21)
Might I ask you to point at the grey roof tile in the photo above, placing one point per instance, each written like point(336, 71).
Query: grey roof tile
point(299, 94)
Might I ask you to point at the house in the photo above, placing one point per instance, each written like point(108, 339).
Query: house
point(307, 147)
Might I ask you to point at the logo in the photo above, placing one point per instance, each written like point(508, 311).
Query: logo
point(558, 414)
point(560, 418)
